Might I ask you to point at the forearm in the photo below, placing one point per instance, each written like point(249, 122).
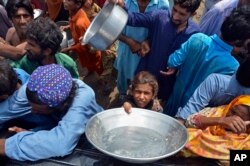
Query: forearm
point(203, 121)
point(2, 147)
point(11, 52)
point(125, 39)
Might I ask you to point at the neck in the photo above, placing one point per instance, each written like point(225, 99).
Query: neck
point(48, 60)
point(181, 27)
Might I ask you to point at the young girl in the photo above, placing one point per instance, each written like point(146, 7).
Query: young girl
point(142, 93)
point(79, 23)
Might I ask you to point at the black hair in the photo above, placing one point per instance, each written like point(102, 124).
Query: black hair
point(45, 33)
point(13, 5)
point(236, 27)
point(8, 78)
point(189, 5)
point(61, 108)
point(81, 2)
point(243, 73)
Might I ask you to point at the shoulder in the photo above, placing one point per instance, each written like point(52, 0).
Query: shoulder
point(84, 92)
point(65, 60)
point(10, 34)
point(198, 39)
point(192, 27)
point(161, 14)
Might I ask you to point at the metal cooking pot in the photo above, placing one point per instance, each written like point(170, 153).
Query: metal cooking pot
point(139, 137)
point(106, 27)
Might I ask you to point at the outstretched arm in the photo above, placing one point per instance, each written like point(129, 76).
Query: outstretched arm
point(62, 139)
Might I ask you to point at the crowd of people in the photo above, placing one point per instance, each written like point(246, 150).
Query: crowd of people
point(198, 73)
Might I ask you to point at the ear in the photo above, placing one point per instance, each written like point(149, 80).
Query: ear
point(194, 13)
point(47, 51)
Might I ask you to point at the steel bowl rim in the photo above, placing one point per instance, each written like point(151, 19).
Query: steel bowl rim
point(149, 159)
point(84, 40)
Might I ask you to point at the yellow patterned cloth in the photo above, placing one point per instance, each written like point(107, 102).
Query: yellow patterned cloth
point(215, 142)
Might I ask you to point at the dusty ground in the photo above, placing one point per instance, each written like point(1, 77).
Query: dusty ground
point(104, 85)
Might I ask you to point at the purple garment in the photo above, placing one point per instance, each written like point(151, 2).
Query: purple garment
point(5, 23)
point(52, 83)
point(164, 40)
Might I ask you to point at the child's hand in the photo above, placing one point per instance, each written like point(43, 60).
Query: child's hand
point(127, 107)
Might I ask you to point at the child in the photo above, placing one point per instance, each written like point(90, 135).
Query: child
point(79, 23)
point(90, 8)
point(142, 93)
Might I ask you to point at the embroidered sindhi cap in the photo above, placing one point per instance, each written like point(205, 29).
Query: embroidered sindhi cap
point(52, 83)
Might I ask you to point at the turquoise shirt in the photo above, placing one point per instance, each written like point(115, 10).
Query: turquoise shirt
point(22, 75)
point(197, 58)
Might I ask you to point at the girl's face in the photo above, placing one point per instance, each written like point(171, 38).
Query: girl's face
point(241, 111)
point(142, 94)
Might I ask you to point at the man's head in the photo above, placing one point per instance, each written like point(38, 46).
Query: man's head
point(235, 28)
point(183, 10)
point(243, 73)
point(50, 88)
point(20, 13)
point(72, 5)
point(43, 39)
point(9, 80)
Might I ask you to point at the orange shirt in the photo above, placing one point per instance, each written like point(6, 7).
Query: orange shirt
point(79, 24)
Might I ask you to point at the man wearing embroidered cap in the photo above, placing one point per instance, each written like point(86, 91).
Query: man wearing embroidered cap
point(50, 92)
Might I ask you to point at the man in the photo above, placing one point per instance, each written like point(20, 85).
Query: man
point(211, 22)
point(166, 34)
point(43, 38)
point(50, 92)
point(216, 90)
point(20, 12)
point(202, 55)
point(127, 58)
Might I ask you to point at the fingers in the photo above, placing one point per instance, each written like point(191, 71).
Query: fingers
point(127, 107)
point(16, 129)
point(237, 125)
point(247, 123)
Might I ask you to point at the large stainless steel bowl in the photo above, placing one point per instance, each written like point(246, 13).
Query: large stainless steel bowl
point(106, 27)
point(139, 137)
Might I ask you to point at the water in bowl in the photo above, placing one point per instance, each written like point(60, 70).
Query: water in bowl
point(135, 142)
